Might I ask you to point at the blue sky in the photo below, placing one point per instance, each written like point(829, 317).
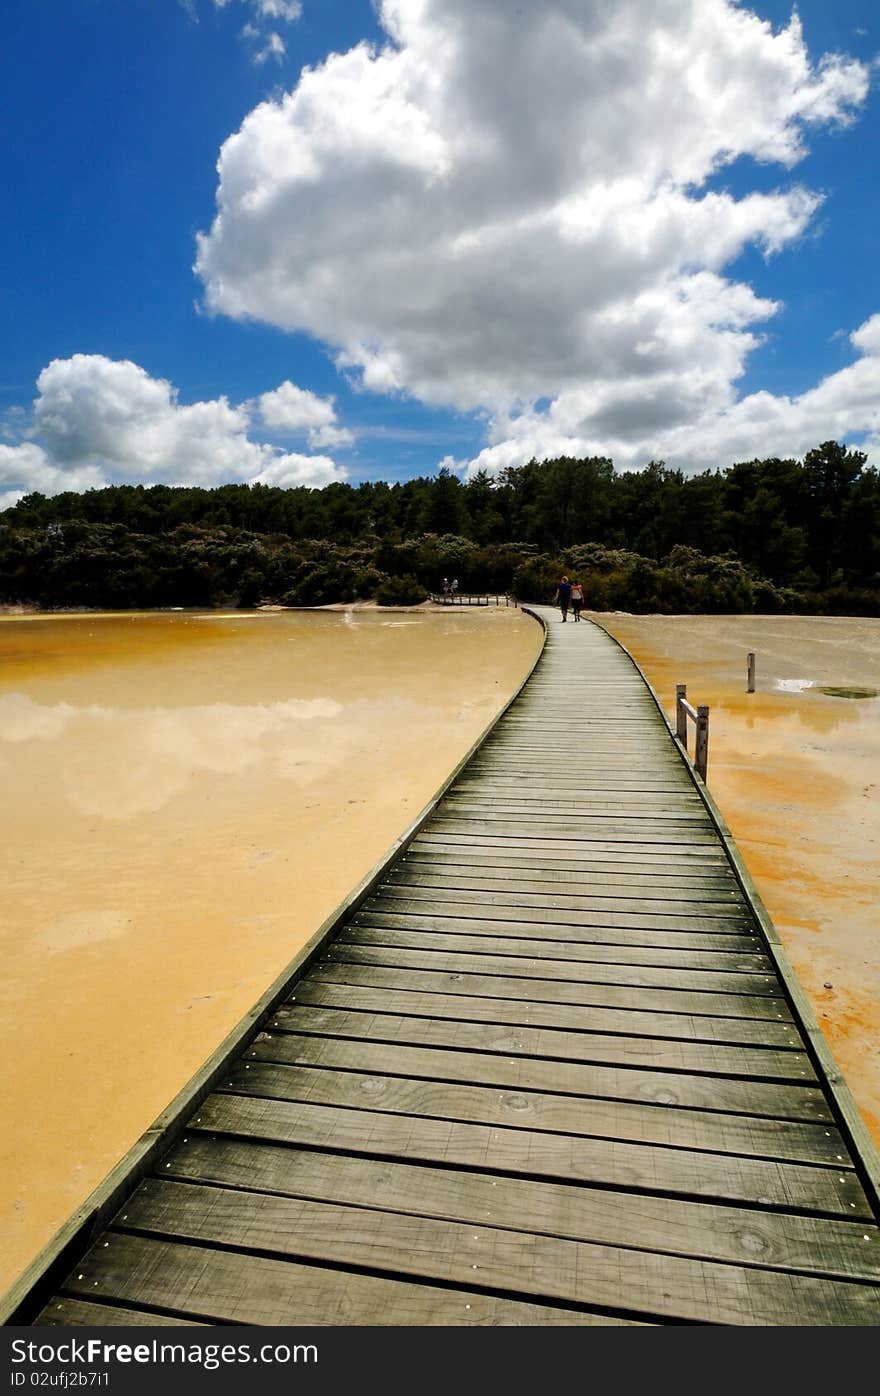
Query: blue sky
point(830, 281)
point(439, 243)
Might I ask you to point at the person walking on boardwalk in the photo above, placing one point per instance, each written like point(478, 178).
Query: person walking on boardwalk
point(445, 588)
point(563, 596)
point(577, 599)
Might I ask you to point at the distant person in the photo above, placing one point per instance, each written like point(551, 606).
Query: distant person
point(454, 587)
point(445, 588)
point(563, 596)
point(577, 599)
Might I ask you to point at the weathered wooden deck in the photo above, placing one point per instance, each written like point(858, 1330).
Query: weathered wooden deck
point(547, 1073)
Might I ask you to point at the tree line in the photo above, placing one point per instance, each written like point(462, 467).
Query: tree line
point(779, 535)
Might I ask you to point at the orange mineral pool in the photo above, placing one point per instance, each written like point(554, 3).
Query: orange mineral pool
point(187, 798)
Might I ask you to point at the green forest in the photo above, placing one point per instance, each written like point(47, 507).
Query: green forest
point(762, 535)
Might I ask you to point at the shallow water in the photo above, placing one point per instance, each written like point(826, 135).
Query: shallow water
point(187, 798)
point(795, 768)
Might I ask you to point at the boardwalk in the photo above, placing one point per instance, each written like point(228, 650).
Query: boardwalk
point(546, 1073)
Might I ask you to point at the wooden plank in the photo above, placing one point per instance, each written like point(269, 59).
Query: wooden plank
point(494, 774)
point(663, 814)
point(383, 1242)
point(553, 792)
point(556, 719)
point(635, 976)
point(595, 751)
point(551, 867)
point(538, 948)
point(645, 852)
point(66, 1312)
point(592, 735)
point(680, 853)
point(506, 748)
point(643, 1168)
point(535, 1269)
point(449, 876)
point(508, 757)
point(560, 992)
point(669, 1225)
point(666, 815)
point(586, 835)
point(659, 778)
point(571, 812)
point(603, 878)
point(668, 811)
point(592, 795)
point(560, 784)
point(412, 997)
point(404, 901)
point(507, 892)
point(535, 793)
point(578, 844)
point(662, 835)
point(532, 797)
point(344, 1078)
point(592, 767)
point(545, 1059)
point(533, 715)
point(223, 1287)
point(570, 919)
point(718, 940)
point(663, 873)
point(442, 869)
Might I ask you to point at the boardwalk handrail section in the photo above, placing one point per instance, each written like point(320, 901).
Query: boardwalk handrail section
point(465, 598)
point(700, 717)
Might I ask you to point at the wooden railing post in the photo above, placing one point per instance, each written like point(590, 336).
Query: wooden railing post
point(701, 754)
point(751, 673)
point(681, 722)
point(700, 718)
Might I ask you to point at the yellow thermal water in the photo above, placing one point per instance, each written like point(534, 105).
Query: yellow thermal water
point(186, 799)
point(796, 773)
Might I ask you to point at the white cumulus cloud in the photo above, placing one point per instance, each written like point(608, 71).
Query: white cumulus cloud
point(603, 420)
point(292, 409)
point(506, 205)
point(99, 421)
point(27, 467)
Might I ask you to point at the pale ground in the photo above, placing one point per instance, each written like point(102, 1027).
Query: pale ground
point(187, 798)
point(797, 775)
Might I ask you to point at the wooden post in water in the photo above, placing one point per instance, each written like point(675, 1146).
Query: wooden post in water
point(701, 754)
point(751, 673)
point(681, 721)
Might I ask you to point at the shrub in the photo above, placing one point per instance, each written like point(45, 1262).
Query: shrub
point(537, 579)
point(401, 591)
point(367, 582)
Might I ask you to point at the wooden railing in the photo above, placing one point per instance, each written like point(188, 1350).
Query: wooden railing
point(700, 717)
point(460, 598)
